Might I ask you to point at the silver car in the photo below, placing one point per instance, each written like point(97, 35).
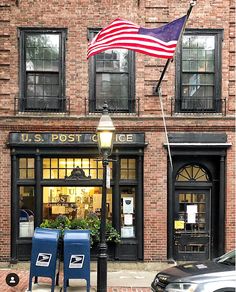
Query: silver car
point(218, 275)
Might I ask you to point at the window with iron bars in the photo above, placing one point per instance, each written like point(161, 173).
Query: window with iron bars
point(198, 72)
point(112, 80)
point(42, 70)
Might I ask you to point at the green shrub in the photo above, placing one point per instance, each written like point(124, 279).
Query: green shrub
point(91, 222)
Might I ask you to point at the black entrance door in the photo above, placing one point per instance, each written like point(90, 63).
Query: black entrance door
point(192, 224)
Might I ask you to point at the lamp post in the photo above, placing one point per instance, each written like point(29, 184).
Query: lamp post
point(105, 135)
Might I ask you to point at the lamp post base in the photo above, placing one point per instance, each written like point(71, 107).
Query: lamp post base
point(102, 268)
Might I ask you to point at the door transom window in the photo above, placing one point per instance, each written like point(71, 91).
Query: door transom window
point(192, 172)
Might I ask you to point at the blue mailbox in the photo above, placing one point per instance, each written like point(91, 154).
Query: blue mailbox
point(44, 255)
point(76, 256)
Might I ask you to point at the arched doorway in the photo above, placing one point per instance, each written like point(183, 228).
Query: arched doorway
point(192, 213)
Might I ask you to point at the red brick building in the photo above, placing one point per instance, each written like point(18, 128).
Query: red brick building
point(50, 103)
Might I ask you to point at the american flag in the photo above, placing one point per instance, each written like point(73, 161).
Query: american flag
point(159, 42)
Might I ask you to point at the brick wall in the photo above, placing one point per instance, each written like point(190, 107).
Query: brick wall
point(77, 16)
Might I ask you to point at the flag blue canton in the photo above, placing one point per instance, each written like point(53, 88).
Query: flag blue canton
point(166, 33)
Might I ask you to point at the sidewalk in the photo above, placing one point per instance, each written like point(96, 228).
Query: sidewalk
point(121, 277)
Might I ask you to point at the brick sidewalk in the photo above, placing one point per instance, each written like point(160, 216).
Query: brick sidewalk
point(24, 278)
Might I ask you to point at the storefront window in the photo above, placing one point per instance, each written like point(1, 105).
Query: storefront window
point(128, 213)
point(74, 202)
point(61, 168)
point(26, 168)
point(26, 207)
point(128, 169)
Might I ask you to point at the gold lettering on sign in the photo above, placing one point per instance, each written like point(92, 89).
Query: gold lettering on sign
point(121, 138)
point(71, 138)
point(94, 138)
point(124, 138)
point(78, 136)
point(130, 138)
point(65, 137)
point(25, 137)
point(54, 137)
point(38, 138)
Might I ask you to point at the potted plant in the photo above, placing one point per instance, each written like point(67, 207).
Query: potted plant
point(91, 222)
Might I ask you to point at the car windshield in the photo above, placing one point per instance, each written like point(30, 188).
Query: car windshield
point(227, 259)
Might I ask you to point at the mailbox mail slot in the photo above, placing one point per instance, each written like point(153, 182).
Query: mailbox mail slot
point(76, 256)
point(44, 255)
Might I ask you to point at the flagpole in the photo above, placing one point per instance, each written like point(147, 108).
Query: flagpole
point(192, 3)
point(158, 88)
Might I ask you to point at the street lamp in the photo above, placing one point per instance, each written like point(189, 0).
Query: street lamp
point(105, 135)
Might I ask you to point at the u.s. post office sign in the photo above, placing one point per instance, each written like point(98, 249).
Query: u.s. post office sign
point(76, 139)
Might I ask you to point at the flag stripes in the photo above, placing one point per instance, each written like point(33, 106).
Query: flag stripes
point(158, 42)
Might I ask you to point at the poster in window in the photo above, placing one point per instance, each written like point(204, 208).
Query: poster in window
point(127, 231)
point(128, 205)
point(128, 219)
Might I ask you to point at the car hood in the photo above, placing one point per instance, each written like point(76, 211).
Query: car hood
point(192, 269)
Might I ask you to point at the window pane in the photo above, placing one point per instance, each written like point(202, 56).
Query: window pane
point(186, 42)
point(124, 174)
point(115, 60)
point(132, 174)
point(186, 66)
point(62, 173)
point(46, 163)
point(209, 78)
point(132, 163)
point(124, 163)
point(93, 173)
point(209, 91)
point(209, 55)
point(185, 54)
point(74, 202)
point(201, 54)
point(23, 174)
point(41, 49)
point(193, 66)
point(201, 66)
point(210, 66)
point(54, 173)
point(85, 163)
point(54, 163)
point(100, 173)
point(62, 163)
point(26, 211)
point(46, 174)
point(113, 89)
point(22, 162)
point(68, 171)
point(69, 163)
point(30, 173)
